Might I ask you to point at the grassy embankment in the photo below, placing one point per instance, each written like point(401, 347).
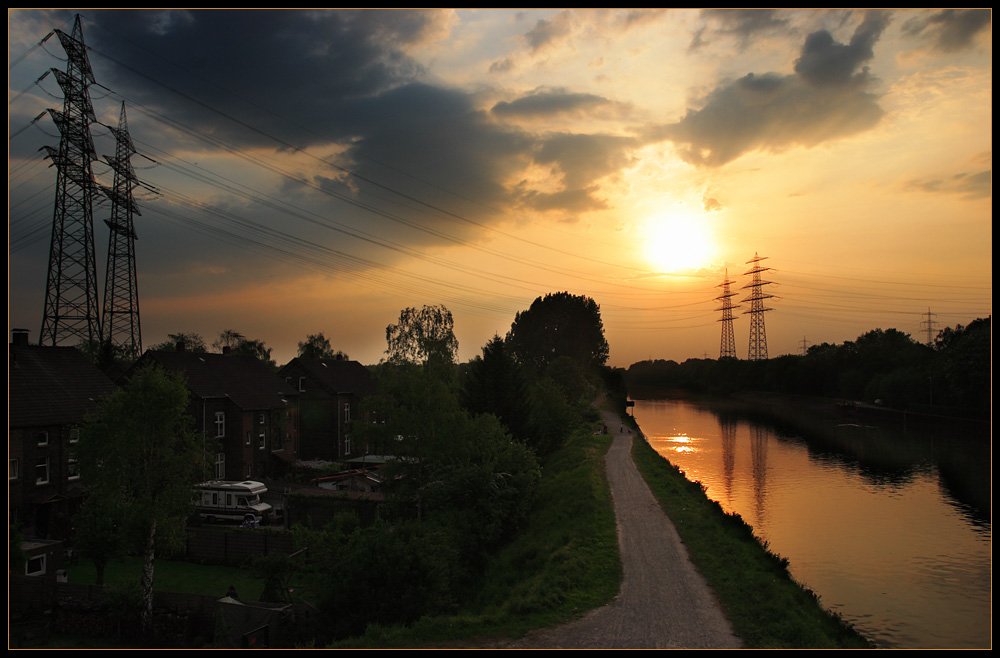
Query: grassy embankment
point(563, 563)
point(767, 607)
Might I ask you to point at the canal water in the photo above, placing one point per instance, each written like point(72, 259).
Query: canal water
point(892, 530)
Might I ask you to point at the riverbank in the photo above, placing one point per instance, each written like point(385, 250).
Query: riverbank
point(767, 607)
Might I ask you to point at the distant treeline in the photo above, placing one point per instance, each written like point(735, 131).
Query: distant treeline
point(952, 377)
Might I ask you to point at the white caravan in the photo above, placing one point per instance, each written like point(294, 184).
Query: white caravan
point(234, 501)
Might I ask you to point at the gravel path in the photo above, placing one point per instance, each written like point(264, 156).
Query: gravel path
point(664, 603)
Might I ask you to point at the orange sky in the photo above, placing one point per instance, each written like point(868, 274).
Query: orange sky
point(320, 171)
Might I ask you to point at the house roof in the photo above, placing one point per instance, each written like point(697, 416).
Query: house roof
point(243, 379)
point(336, 375)
point(53, 386)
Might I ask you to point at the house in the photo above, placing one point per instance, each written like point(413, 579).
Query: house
point(330, 395)
point(52, 390)
point(246, 416)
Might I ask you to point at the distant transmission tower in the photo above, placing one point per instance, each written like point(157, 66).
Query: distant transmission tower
point(758, 335)
point(930, 326)
point(727, 346)
point(71, 285)
point(121, 293)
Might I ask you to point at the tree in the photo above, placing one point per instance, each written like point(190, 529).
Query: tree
point(424, 336)
point(192, 343)
point(228, 339)
point(560, 324)
point(317, 346)
point(238, 344)
point(139, 458)
point(495, 384)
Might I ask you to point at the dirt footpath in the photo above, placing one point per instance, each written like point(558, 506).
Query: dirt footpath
point(664, 603)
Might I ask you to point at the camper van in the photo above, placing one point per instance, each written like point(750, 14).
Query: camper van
point(232, 501)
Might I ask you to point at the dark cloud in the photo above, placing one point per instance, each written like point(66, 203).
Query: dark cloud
point(502, 65)
point(442, 139)
point(823, 61)
point(573, 202)
point(548, 103)
point(742, 23)
point(584, 159)
point(545, 32)
point(969, 186)
point(826, 99)
point(291, 74)
point(951, 30)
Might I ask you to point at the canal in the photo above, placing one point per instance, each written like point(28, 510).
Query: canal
point(892, 530)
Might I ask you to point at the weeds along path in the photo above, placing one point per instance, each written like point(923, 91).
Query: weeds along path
point(664, 603)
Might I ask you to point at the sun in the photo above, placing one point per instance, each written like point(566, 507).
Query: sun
point(677, 241)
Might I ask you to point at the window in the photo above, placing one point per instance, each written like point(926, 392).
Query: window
point(249, 436)
point(74, 435)
point(347, 445)
point(42, 471)
point(262, 439)
point(347, 412)
point(42, 438)
point(249, 471)
point(220, 466)
point(13, 469)
point(220, 424)
point(72, 468)
point(263, 418)
point(35, 566)
point(302, 383)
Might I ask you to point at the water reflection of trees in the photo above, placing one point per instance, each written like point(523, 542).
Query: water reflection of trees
point(886, 456)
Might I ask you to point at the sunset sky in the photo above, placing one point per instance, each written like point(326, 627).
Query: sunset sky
point(318, 171)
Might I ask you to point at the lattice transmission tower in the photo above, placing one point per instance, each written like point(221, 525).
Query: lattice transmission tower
point(121, 292)
point(727, 344)
point(71, 286)
point(758, 334)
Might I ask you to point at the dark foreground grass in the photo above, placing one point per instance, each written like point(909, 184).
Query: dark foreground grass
point(768, 609)
point(563, 563)
point(172, 576)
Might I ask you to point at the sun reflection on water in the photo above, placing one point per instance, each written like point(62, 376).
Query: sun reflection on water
point(682, 443)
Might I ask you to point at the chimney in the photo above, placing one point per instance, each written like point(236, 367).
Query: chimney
point(181, 346)
point(19, 337)
point(226, 349)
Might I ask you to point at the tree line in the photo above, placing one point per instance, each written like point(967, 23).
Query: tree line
point(950, 377)
point(467, 442)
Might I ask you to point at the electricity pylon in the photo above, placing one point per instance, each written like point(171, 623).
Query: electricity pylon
point(71, 286)
point(121, 293)
point(758, 335)
point(727, 345)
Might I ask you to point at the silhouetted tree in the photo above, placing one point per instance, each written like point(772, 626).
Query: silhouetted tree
point(422, 336)
point(560, 324)
point(317, 346)
point(495, 384)
point(240, 345)
point(192, 343)
point(965, 371)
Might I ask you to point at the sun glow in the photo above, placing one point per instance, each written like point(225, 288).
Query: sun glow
point(677, 241)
